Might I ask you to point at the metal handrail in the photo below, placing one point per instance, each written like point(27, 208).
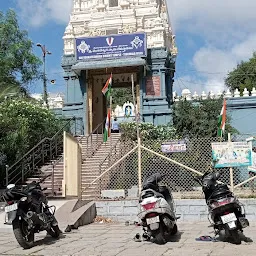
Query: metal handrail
point(31, 155)
point(52, 176)
point(89, 137)
point(43, 140)
point(109, 154)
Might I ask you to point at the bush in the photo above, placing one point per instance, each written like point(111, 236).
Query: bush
point(148, 131)
point(22, 125)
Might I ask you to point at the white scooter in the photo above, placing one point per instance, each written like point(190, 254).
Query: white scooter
point(156, 210)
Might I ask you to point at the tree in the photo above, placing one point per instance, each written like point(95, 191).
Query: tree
point(18, 65)
point(243, 76)
point(121, 95)
point(22, 125)
point(199, 119)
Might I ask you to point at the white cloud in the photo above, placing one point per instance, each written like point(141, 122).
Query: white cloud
point(229, 35)
point(38, 12)
point(213, 64)
point(216, 20)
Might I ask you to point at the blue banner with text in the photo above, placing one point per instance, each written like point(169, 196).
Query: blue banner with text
point(111, 47)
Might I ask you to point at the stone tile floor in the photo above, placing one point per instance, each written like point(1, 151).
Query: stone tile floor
point(117, 240)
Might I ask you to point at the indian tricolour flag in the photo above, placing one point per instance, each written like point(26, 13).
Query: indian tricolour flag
point(107, 127)
point(222, 119)
point(107, 88)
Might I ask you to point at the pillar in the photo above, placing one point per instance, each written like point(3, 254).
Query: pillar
point(74, 104)
point(157, 85)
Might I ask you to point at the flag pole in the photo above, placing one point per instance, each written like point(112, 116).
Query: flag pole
point(231, 173)
point(138, 136)
point(110, 120)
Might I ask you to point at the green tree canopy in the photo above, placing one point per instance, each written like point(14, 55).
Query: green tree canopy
point(22, 125)
point(199, 119)
point(121, 95)
point(18, 65)
point(243, 76)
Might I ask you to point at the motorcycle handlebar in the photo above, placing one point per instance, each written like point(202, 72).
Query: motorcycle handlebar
point(198, 179)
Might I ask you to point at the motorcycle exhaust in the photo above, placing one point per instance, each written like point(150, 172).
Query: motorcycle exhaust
point(168, 223)
point(244, 222)
point(35, 219)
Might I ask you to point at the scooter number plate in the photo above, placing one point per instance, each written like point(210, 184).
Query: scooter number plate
point(11, 208)
point(228, 218)
point(153, 220)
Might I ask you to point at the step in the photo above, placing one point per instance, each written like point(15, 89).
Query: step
point(89, 177)
point(38, 176)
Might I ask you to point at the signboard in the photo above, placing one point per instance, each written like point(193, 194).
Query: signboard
point(111, 47)
point(153, 86)
point(252, 142)
point(174, 146)
point(253, 166)
point(231, 154)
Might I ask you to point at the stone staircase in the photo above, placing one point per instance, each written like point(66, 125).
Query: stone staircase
point(54, 182)
point(91, 166)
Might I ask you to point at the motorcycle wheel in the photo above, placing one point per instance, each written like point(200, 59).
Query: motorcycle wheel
point(158, 235)
point(235, 236)
point(54, 231)
point(22, 235)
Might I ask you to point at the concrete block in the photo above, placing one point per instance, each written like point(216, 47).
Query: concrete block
point(115, 210)
point(133, 192)
point(101, 211)
point(70, 214)
point(130, 210)
point(189, 202)
point(182, 208)
point(101, 203)
point(198, 208)
point(189, 210)
point(131, 203)
point(113, 193)
point(84, 215)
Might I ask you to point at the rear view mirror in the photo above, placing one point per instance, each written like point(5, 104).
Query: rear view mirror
point(10, 186)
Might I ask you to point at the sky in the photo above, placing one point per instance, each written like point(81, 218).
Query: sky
point(212, 38)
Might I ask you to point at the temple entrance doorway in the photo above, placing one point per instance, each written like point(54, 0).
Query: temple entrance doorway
point(121, 93)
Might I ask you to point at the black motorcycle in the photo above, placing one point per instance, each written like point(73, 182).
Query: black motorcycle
point(28, 211)
point(226, 213)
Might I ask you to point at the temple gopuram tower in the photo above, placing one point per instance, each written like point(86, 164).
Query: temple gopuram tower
point(121, 37)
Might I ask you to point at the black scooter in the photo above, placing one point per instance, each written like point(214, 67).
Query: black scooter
point(28, 211)
point(226, 213)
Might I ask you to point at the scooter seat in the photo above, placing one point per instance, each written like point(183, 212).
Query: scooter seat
point(221, 191)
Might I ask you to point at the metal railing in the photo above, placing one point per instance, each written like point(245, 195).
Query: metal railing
point(109, 158)
point(76, 129)
point(45, 151)
point(95, 143)
point(53, 193)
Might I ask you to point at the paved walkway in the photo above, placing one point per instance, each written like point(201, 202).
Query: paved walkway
point(116, 240)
